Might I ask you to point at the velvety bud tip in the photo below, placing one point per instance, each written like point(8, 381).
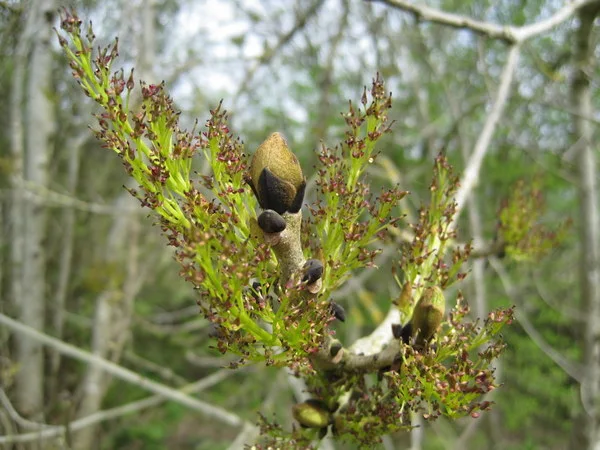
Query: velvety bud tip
point(276, 176)
point(405, 298)
point(312, 414)
point(428, 313)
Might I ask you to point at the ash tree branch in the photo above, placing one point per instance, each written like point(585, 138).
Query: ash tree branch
point(507, 33)
point(382, 335)
point(123, 373)
point(16, 417)
point(529, 31)
point(350, 361)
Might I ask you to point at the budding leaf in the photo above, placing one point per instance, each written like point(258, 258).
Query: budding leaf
point(428, 314)
point(276, 176)
point(312, 414)
point(405, 301)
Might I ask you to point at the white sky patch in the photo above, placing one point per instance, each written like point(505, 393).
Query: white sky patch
point(216, 23)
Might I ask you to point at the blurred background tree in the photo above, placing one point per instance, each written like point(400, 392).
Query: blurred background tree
point(80, 261)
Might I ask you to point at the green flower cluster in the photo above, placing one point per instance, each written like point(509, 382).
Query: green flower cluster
point(521, 232)
point(209, 220)
point(268, 301)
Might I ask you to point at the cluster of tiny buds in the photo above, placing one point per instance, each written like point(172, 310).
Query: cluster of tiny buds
point(205, 235)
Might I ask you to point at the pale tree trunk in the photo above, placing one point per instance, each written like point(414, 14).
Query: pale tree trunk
point(15, 215)
point(589, 227)
point(114, 307)
point(73, 146)
point(3, 245)
point(32, 132)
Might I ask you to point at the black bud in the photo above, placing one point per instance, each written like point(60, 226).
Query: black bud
point(406, 333)
point(275, 193)
point(313, 270)
point(254, 288)
point(317, 403)
point(397, 330)
point(297, 202)
point(276, 176)
point(381, 372)
point(335, 349)
point(271, 222)
point(338, 311)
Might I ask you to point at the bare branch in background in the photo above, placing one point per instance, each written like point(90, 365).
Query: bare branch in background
point(196, 324)
point(16, 417)
point(270, 52)
point(50, 431)
point(564, 308)
point(41, 195)
point(208, 361)
point(572, 369)
point(507, 33)
point(170, 317)
point(124, 374)
point(165, 372)
point(327, 80)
